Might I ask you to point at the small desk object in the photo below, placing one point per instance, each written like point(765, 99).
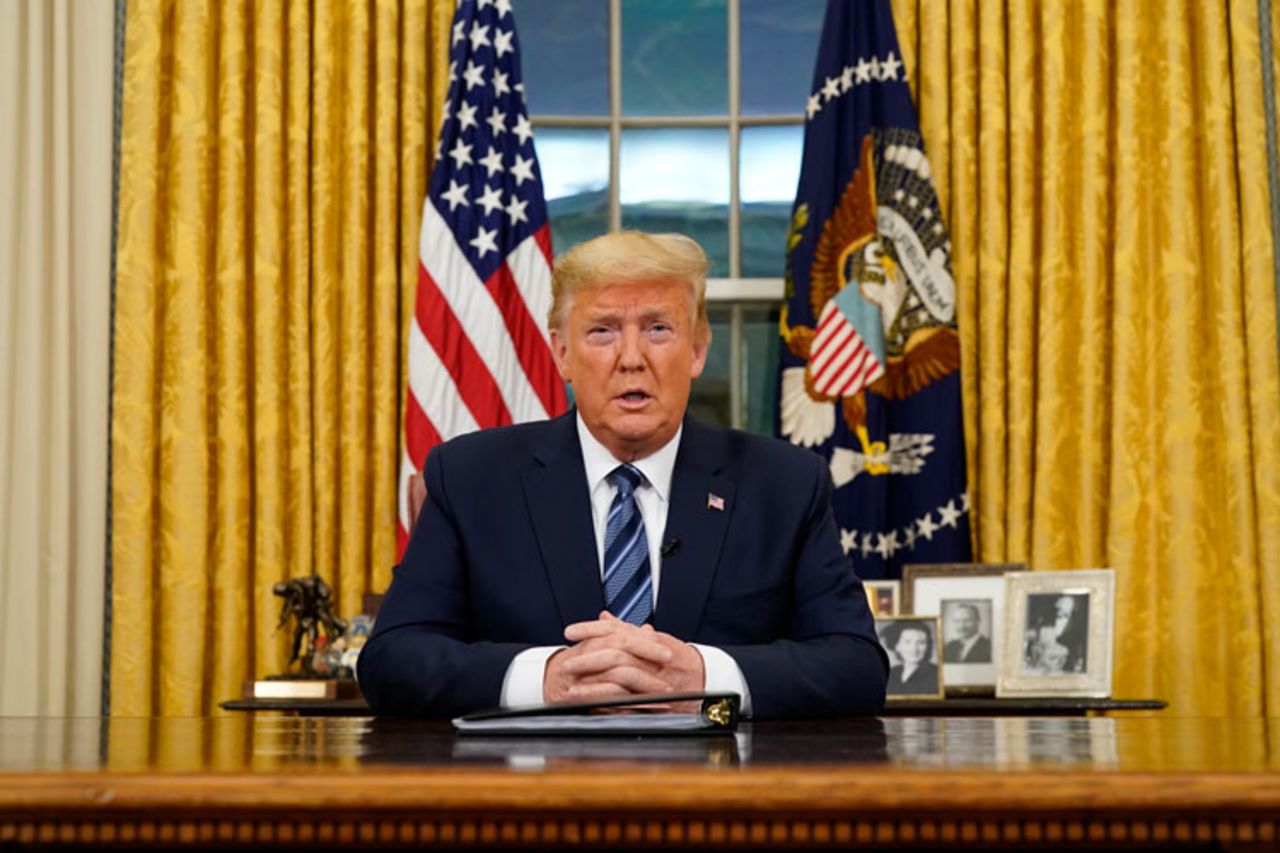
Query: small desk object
point(266, 781)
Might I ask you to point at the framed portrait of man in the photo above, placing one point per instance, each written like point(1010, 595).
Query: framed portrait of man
point(968, 598)
point(1059, 639)
point(914, 657)
point(883, 596)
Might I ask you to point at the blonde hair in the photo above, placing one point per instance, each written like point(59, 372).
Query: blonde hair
point(630, 257)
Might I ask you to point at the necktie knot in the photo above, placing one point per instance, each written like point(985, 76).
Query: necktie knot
point(625, 478)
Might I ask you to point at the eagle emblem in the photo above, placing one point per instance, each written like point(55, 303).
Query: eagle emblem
point(882, 291)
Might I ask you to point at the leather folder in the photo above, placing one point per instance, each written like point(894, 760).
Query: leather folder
point(630, 715)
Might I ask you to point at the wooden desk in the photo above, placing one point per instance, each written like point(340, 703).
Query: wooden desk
point(266, 780)
point(955, 707)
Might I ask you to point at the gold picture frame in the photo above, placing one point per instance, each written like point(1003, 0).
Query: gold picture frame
point(1059, 635)
point(908, 680)
point(969, 599)
point(883, 597)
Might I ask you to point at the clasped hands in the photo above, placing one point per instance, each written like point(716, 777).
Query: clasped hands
point(610, 658)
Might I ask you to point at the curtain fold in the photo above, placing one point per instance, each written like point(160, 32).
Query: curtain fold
point(273, 166)
point(55, 254)
point(1104, 172)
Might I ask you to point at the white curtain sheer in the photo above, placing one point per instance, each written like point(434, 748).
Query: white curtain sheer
point(55, 257)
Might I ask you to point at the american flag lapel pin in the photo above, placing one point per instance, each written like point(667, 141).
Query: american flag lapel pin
point(715, 502)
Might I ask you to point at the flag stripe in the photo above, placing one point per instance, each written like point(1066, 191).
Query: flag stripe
point(531, 271)
point(469, 375)
point(477, 316)
point(528, 338)
point(420, 433)
point(822, 361)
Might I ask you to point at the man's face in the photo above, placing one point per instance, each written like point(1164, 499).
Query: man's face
point(631, 351)
point(964, 623)
point(1064, 606)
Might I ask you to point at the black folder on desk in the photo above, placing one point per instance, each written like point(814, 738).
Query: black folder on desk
point(630, 715)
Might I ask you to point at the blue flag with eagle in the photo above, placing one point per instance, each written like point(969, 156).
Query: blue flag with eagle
point(871, 356)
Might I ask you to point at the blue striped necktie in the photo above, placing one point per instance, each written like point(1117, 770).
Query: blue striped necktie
point(628, 583)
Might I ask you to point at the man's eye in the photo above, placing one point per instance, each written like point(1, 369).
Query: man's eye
point(661, 330)
point(599, 333)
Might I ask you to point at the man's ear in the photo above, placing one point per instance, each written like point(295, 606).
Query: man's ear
point(701, 346)
point(560, 353)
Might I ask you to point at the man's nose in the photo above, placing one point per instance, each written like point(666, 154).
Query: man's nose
point(631, 349)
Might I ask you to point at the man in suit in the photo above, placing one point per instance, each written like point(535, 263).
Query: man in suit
point(625, 547)
point(967, 644)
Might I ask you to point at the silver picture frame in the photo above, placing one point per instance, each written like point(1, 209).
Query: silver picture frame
point(1059, 634)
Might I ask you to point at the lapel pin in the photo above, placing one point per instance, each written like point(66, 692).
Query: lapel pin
point(715, 502)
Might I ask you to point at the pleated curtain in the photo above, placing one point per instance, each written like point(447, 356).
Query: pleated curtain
point(273, 164)
point(1104, 172)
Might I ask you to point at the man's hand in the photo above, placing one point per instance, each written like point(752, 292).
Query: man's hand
point(612, 658)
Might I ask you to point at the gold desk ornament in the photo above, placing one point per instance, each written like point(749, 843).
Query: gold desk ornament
point(719, 711)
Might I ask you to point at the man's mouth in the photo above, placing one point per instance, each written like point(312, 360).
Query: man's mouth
point(633, 398)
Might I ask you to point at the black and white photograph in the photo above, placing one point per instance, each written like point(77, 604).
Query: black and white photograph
point(912, 646)
point(966, 630)
point(1057, 634)
point(969, 599)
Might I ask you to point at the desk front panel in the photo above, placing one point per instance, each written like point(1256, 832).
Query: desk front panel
point(260, 779)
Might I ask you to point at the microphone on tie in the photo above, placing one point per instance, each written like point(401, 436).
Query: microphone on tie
point(669, 547)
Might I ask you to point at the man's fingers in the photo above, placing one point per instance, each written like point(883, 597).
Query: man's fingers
point(631, 678)
point(602, 659)
point(600, 690)
point(643, 644)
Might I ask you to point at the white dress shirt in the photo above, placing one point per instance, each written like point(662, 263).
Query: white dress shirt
point(523, 682)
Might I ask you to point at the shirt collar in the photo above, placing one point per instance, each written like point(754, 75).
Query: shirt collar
point(657, 467)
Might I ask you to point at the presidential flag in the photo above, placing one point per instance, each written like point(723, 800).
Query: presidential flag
point(871, 356)
point(479, 352)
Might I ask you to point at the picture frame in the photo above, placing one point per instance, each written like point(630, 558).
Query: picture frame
point(915, 670)
point(883, 597)
point(969, 599)
point(1059, 634)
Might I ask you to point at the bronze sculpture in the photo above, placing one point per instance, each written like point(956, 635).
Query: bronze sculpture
point(309, 601)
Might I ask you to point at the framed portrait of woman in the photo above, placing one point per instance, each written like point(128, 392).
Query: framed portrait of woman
point(911, 642)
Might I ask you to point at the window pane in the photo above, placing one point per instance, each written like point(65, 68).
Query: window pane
point(675, 57)
point(677, 179)
point(709, 398)
point(761, 344)
point(575, 176)
point(564, 47)
point(779, 48)
point(768, 172)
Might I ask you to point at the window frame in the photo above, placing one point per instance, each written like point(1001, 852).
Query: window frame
point(734, 291)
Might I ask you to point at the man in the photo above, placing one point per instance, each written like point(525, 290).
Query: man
point(624, 548)
point(967, 645)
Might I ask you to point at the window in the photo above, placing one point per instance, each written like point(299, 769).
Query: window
point(681, 115)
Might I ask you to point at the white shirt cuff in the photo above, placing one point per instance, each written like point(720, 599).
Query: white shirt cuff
point(523, 682)
point(723, 675)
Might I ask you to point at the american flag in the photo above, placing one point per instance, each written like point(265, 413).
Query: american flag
point(479, 353)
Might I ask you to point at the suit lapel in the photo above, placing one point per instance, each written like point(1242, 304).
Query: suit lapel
point(693, 519)
point(560, 507)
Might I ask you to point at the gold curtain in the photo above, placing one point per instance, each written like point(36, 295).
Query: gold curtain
point(273, 164)
point(1104, 171)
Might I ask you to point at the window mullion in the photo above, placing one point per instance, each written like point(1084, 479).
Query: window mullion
point(615, 114)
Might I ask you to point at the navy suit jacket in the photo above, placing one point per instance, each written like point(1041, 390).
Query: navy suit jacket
point(504, 557)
